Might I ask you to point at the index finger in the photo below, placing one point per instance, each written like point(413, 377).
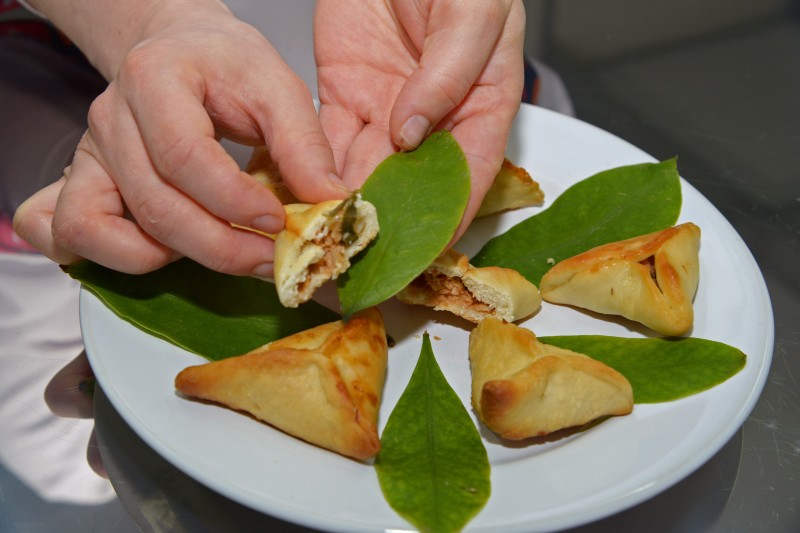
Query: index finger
point(179, 139)
point(454, 52)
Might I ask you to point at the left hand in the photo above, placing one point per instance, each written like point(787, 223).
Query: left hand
point(390, 72)
point(149, 182)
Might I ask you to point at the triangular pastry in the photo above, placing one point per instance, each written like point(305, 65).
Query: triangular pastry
point(450, 283)
point(650, 279)
point(512, 188)
point(322, 385)
point(317, 243)
point(523, 388)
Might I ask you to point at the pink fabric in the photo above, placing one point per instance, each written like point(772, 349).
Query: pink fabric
point(9, 240)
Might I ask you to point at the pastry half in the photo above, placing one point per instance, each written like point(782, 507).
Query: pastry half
point(512, 188)
point(450, 283)
point(322, 385)
point(650, 279)
point(523, 388)
point(317, 243)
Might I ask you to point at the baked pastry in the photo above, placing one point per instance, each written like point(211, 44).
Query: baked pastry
point(523, 388)
point(450, 283)
point(650, 279)
point(512, 188)
point(263, 168)
point(317, 243)
point(322, 385)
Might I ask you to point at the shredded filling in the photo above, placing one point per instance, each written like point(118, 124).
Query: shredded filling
point(331, 243)
point(650, 263)
point(450, 293)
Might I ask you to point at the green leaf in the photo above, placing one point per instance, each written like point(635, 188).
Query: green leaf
point(432, 467)
point(660, 370)
point(610, 206)
point(211, 314)
point(420, 197)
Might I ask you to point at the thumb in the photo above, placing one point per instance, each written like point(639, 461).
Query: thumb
point(455, 50)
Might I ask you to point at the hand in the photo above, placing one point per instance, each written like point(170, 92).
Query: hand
point(150, 182)
point(390, 72)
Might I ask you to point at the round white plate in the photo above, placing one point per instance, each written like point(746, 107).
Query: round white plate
point(559, 484)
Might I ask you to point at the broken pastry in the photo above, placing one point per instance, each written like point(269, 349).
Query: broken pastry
point(452, 284)
point(317, 243)
point(512, 188)
point(523, 388)
point(322, 385)
point(650, 279)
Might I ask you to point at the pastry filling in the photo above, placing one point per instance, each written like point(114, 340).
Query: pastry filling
point(449, 293)
point(330, 265)
point(334, 238)
point(650, 264)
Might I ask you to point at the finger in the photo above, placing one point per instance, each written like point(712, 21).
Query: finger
point(297, 142)
point(179, 136)
point(179, 140)
point(94, 457)
point(484, 154)
point(341, 127)
point(89, 220)
point(33, 221)
point(70, 393)
point(168, 216)
point(454, 52)
point(370, 147)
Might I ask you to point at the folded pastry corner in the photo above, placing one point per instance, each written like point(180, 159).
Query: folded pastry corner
point(323, 385)
point(512, 188)
point(451, 284)
point(650, 279)
point(523, 388)
point(317, 243)
point(265, 171)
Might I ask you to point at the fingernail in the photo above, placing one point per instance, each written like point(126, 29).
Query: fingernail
point(265, 271)
point(268, 224)
point(413, 132)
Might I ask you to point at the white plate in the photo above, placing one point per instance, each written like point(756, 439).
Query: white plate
point(578, 479)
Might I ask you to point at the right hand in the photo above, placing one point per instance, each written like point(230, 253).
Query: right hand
point(392, 71)
point(150, 182)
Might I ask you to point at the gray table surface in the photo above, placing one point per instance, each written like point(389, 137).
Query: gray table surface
point(716, 83)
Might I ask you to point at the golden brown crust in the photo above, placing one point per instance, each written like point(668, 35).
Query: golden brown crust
point(512, 188)
point(522, 388)
point(650, 279)
point(452, 284)
point(323, 385)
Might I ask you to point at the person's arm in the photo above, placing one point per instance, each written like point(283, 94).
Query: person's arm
point(149, 181)
point(105, 30)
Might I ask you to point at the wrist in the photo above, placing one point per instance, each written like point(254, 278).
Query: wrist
point(106, 30)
